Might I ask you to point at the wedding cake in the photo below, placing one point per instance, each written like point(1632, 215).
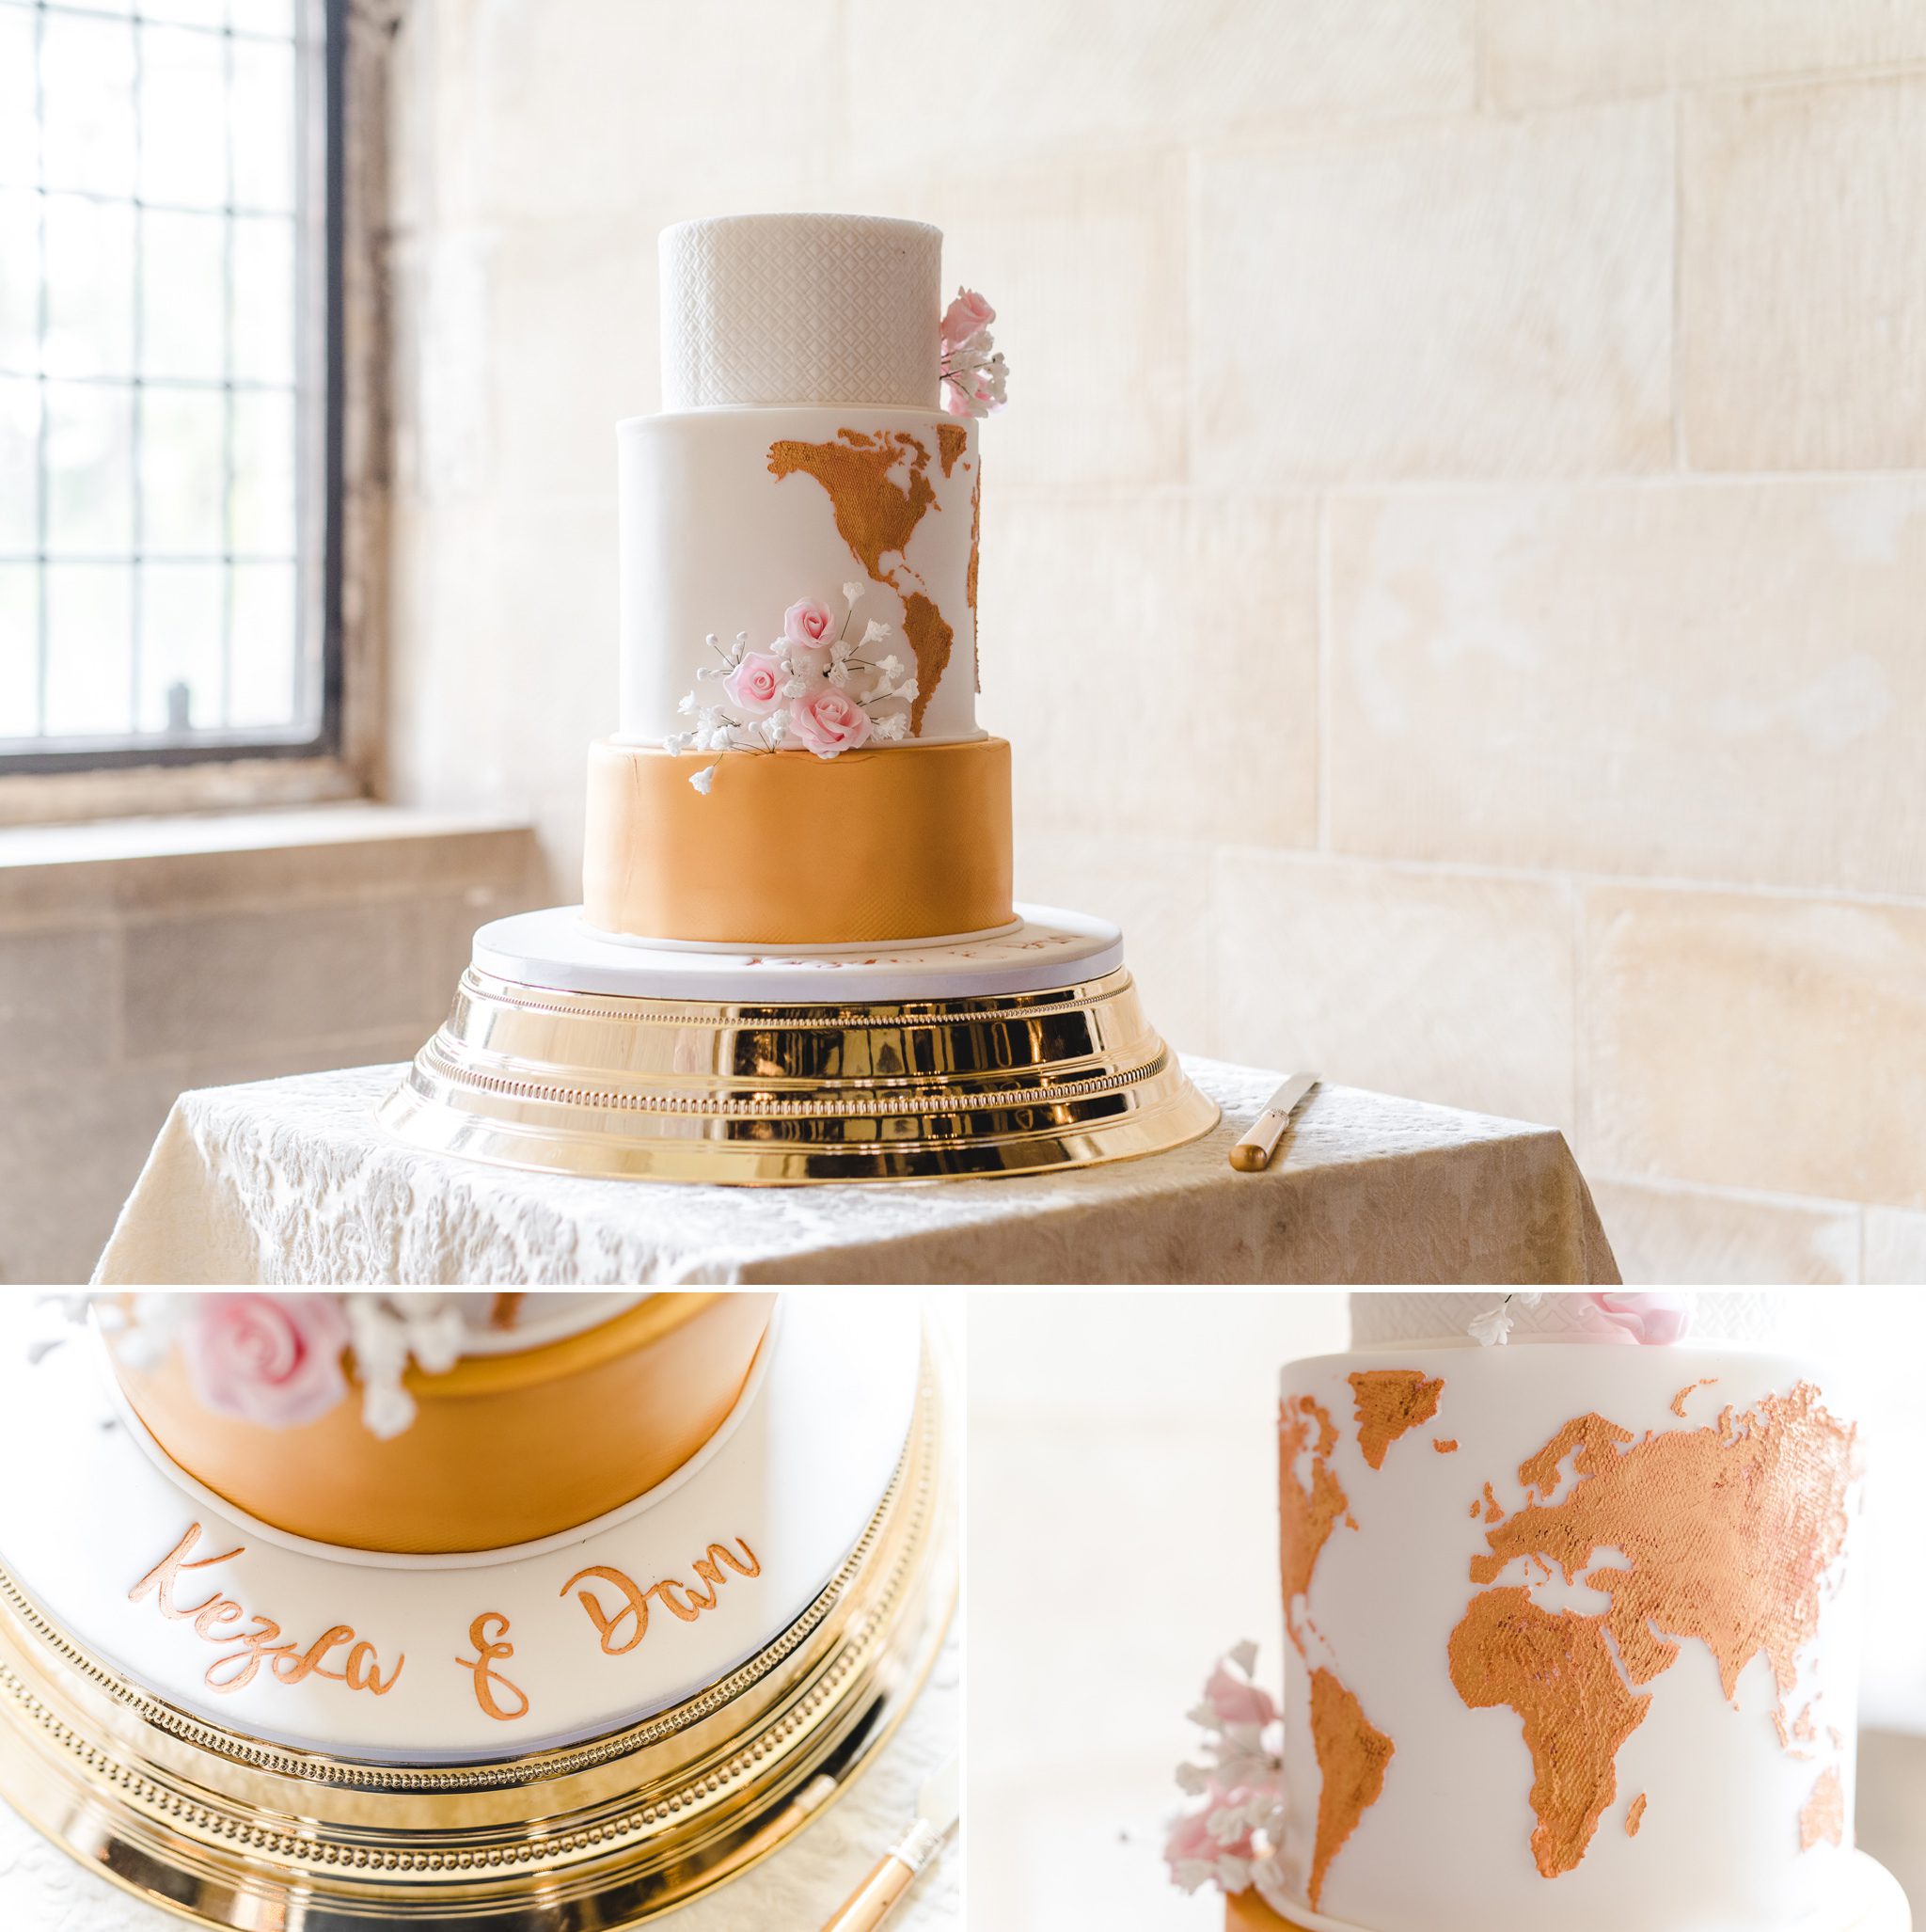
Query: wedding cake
point(1569, 1593)
point(798, 760)
point(452, 1606)
point(798, 957)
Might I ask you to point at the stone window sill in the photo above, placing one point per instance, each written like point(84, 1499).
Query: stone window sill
point(108, 867)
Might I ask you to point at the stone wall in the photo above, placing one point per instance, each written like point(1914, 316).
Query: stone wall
point(1452, 569)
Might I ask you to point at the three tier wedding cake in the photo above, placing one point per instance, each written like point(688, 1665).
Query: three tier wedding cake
point(798, 958)
point(798, 760)
point(1571, 1638)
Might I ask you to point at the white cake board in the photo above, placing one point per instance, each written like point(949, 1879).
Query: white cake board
point(555, 948)
point(795, 1475)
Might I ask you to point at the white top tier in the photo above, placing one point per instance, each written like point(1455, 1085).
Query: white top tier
point(761, 309)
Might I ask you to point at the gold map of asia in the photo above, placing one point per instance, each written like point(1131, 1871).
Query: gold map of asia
point(1684, 1508)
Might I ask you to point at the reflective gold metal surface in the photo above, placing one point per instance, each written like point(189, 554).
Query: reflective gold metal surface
point(233, 1832)
point(770, 1096)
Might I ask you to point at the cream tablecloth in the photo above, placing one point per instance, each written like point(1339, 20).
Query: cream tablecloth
point(294, 1181)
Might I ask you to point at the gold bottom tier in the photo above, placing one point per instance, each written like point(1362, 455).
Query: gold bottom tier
point(229, 1831)
point(774, 1095)
point(911, 842)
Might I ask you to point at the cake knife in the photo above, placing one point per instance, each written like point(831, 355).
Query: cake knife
point(1252, 1154)
point(873, 1901)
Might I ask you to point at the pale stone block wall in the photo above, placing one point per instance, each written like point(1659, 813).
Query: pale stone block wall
point(334, 940)
point(1455, 566)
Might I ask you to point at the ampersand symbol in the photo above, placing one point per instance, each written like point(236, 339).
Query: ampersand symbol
point(488, 1647)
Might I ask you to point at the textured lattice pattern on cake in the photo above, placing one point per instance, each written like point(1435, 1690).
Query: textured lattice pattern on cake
point(1756, 1318)
point(801, 309)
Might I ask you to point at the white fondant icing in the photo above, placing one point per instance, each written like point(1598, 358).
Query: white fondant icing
point(800, 309)
point(1446, 1846)
point(712, 542)
point(1758, 1318)
point(555, 948)
point(796, 1480)
point(539, 1320)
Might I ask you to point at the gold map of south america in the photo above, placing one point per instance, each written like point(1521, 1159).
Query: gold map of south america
point(877, 515)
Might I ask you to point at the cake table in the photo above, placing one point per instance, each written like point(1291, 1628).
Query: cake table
point(297, 1180)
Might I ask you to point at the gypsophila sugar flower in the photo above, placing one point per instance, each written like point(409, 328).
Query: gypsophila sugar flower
point(703, 781)
point(876, 633)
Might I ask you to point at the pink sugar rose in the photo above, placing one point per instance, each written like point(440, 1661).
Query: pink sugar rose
point(964, 320)
point(1656, 1320)
point(755, 685)
point(1237, 1699)
point(274, 1359)
point(810, 623)
point(828, 722)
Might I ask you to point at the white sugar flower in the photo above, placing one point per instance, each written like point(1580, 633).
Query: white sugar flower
point(838, 675)
point(907, 688)
point(685, 704)
point(875, 633)
point(893, 727)
point(795, 687)
point(890, 667)
point(852, 593)
point(678, 741)
point(704, 672)
point(1493, 1329)
point(704, 779)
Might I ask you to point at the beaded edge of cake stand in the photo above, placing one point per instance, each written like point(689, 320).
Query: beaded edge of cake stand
point(193, 1819)
point(725, 1093)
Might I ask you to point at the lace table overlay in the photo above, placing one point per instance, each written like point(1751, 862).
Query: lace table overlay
point(294, 1181)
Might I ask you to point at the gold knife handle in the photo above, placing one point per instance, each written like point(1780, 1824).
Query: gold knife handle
point(1252, 1154)
point(873, 1901)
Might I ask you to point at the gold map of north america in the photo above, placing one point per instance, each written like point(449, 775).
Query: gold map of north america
point(877, 515)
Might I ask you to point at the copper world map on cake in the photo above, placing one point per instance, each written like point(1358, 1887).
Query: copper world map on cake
point(877, 515)
point(1352, 1752)
point(1725, 1535)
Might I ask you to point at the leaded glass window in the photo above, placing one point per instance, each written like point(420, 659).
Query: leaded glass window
point(165, 294)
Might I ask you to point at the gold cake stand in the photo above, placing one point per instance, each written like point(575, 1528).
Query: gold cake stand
point(602, 1084)
point(229, 1831)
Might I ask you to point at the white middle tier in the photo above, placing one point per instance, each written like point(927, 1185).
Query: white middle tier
point(729, 516)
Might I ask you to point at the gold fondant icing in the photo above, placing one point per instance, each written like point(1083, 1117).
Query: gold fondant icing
point(1245, 1912)
point(952, 440)
point(1822, 1821)
point(877, 515)
point(1444, 1445)
point(504, 1448)
point(1727, 1534)
point(1388, 1403)
point(1555, 1671)
point(911, 842)
point(244, 1651)
point(1352, 1759)
point(1308, 1512)
point(1635, 1815)
point(1727, 1531)
point(489, 1634)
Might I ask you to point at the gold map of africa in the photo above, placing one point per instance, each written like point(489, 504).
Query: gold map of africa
point(1727, 1534)
point(877, 515)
